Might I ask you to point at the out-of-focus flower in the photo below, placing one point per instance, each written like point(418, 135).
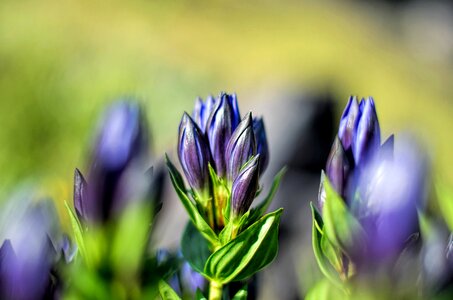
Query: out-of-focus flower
point(390, 191)
point(202, 111)
point(191, 281)
point(382, 189)
point(245, 187)
point(222, 122)
point(193, 154)
point(241, 147)
point(262, 147)
point(28, 254)
point(117, 175)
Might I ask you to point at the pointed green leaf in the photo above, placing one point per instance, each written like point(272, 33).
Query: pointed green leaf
point(264, 205)
point(248, 253)
point(317, 237)
point(194, 215)
point(199, 295)
point(445, 200)
point(241, 294)
point(340, 226)
point(194, 248)
point(77, 229)
point(166, 292)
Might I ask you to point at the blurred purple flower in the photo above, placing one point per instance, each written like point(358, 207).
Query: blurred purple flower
point(116, 175)
point(390, 190)
point(31, 249)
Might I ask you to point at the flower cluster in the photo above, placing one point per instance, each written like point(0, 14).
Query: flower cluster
point(236, 150)
point(369, 194)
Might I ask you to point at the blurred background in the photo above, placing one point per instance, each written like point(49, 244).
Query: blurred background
point(62, 61)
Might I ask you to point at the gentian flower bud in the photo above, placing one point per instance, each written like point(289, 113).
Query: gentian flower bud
point(80, 195)
point(119, 154)
point(348, 123)
point(262, 147)
point(391, 191)
point(193, 154)
point(27, 255)
point(368, 135)
point(221, 124)
point(202, 111)
point(245, 187)
point(241, 147)
point(338, 167)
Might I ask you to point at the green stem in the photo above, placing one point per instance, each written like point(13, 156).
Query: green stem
point(215, 290)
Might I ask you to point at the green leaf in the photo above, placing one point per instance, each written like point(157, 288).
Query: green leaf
point(194, 215)
point(248, 253)
point(340, 226)
point(263, 206)
point(132, 228)
point(77, 229)
point(319, 247)
point(166, 292)
point(445, 200)
point(324, 290)
point(199, 295)
point(194, 248)
point(241, 294)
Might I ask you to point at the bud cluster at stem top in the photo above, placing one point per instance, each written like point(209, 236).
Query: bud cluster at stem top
point(236, 149)
point(381, 187)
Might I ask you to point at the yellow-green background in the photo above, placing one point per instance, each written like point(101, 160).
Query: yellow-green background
point(61, 61)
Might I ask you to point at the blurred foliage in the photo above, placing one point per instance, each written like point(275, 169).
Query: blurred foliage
point(60, 61)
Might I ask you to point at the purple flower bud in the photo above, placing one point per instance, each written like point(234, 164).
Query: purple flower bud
point(191, 281)
point(193, 153)
point(202, 111)
point(121, 138)
point(348, 123)
point(117, 160)
point(26, 257)
point(391, 190)
point(338, 167)
point(80, 195)
point(245, 187)
point(262, 147)
point(368, 136)
point(221, 124)
point(241, 147)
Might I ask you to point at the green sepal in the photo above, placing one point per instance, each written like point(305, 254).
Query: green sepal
point(166, 292)
point(242, 293)
point(319, 243)
point(194, 215)
point(341, 228)
point(261, 208)
point(248, 253)
point(194, 248)
point(233, 228)
point(78, 231)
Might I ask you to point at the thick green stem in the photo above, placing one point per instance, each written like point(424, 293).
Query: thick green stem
point(215, 290)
